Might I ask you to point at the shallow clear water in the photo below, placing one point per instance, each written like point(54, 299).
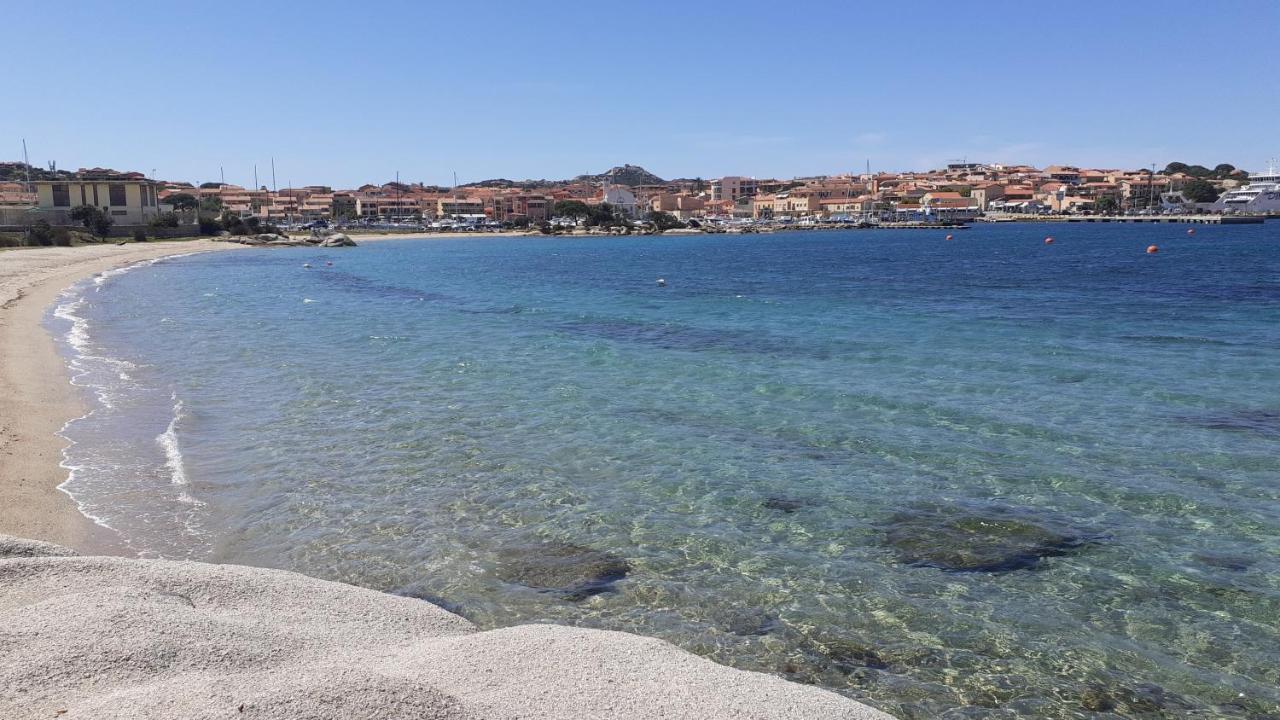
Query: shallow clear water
point(755, 439)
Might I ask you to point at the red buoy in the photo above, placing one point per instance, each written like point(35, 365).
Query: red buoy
point(948, 237)
point(1152, 249)
point(1191, 231)
point(1048, 241)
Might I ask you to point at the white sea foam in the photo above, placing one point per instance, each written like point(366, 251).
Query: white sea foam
point(108, 379)
point(168, 441)
point(173, 461)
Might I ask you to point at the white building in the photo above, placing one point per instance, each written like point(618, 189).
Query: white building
point(621, 197)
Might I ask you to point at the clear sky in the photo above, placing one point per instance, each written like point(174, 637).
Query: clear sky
point(348, 92)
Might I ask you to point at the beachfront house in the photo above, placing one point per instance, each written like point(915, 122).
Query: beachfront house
point(127, 198)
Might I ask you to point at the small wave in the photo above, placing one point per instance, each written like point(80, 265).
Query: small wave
point(173, 461)
point(168, 441)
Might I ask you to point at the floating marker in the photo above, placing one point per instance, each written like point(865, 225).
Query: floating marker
point(306, 265)
point(1191, 231)
point(1048, 241)
point(328, 264)
point(662, 282)
point(1153, 249)
point(948, 237)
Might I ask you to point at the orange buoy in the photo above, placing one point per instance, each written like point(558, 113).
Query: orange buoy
point(1152, 249)
point(1048, 241)
point(1191, 231)
point(948, 237)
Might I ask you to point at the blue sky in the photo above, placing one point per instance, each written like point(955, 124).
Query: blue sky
point(347, 92)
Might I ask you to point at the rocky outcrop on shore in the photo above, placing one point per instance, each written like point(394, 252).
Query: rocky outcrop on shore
point(98, 637)
point(318, 238)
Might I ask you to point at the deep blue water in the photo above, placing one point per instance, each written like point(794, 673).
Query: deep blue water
point(796, 446)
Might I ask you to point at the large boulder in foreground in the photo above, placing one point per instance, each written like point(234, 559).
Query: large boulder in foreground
point(11, 547)
point(960, 538)
point(99, 637)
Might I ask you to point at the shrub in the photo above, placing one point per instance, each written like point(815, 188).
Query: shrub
point(91, 217)
point(165, 220)
point(61, 237)
point(40, 233)
point(209, 225)
point(139, 235)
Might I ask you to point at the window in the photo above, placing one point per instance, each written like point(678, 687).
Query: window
point(61, 195)
point(116, 195)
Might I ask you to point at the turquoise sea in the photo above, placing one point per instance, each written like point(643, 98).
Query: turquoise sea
point(978, 478)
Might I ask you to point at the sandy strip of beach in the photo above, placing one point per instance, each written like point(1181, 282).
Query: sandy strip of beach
point(36, 397)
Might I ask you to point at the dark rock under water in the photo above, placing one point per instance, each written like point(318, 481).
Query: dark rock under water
point(959, 538)
point(570, 571)
point(1255, 421)
point(782, 504)
point(752, 622)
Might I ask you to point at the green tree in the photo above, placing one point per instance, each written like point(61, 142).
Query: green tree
point(572, 208)
point(664, 221)
point(209, 225)
point(603, 215)
point(1106, 205)
point(1175, 167)
point(212, 204)
point(182, 201)
point(1224, 170)
point(1200, 191)
point(98, 222)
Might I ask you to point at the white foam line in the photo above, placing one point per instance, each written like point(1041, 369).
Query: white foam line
point(77, 337)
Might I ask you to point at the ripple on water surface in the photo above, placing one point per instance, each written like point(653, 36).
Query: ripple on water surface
point(987, 478)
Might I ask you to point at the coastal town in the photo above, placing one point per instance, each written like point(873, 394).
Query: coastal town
point(958, 193)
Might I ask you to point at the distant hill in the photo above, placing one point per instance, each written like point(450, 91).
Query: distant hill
point(17, 172)
point(624, 175)
point(506, 184)
point(621, 175)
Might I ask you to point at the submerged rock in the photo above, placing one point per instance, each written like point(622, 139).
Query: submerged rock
point(848, 655)
point(782, 504)
point(963, 539)
point(1097, 700)
point(570, 571)
point(1256, 421)
point(752, 622)
point(1225, 561)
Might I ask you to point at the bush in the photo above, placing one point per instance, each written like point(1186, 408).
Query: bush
point(40, 233)
point(139, 235)
point(209, 225)
point(664, 221)
point(61, 237)
point(91, 217)
point(165, 220)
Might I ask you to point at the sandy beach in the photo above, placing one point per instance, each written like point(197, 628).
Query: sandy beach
point(92, 637)
point(38, 397)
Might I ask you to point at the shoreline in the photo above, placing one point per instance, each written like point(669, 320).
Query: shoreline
point(36, 385)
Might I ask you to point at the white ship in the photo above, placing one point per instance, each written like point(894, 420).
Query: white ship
point(1260, 195)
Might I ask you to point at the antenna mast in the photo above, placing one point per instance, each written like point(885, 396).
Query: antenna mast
point(26, 162)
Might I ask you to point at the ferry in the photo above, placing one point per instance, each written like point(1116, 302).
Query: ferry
point(1260, 195)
